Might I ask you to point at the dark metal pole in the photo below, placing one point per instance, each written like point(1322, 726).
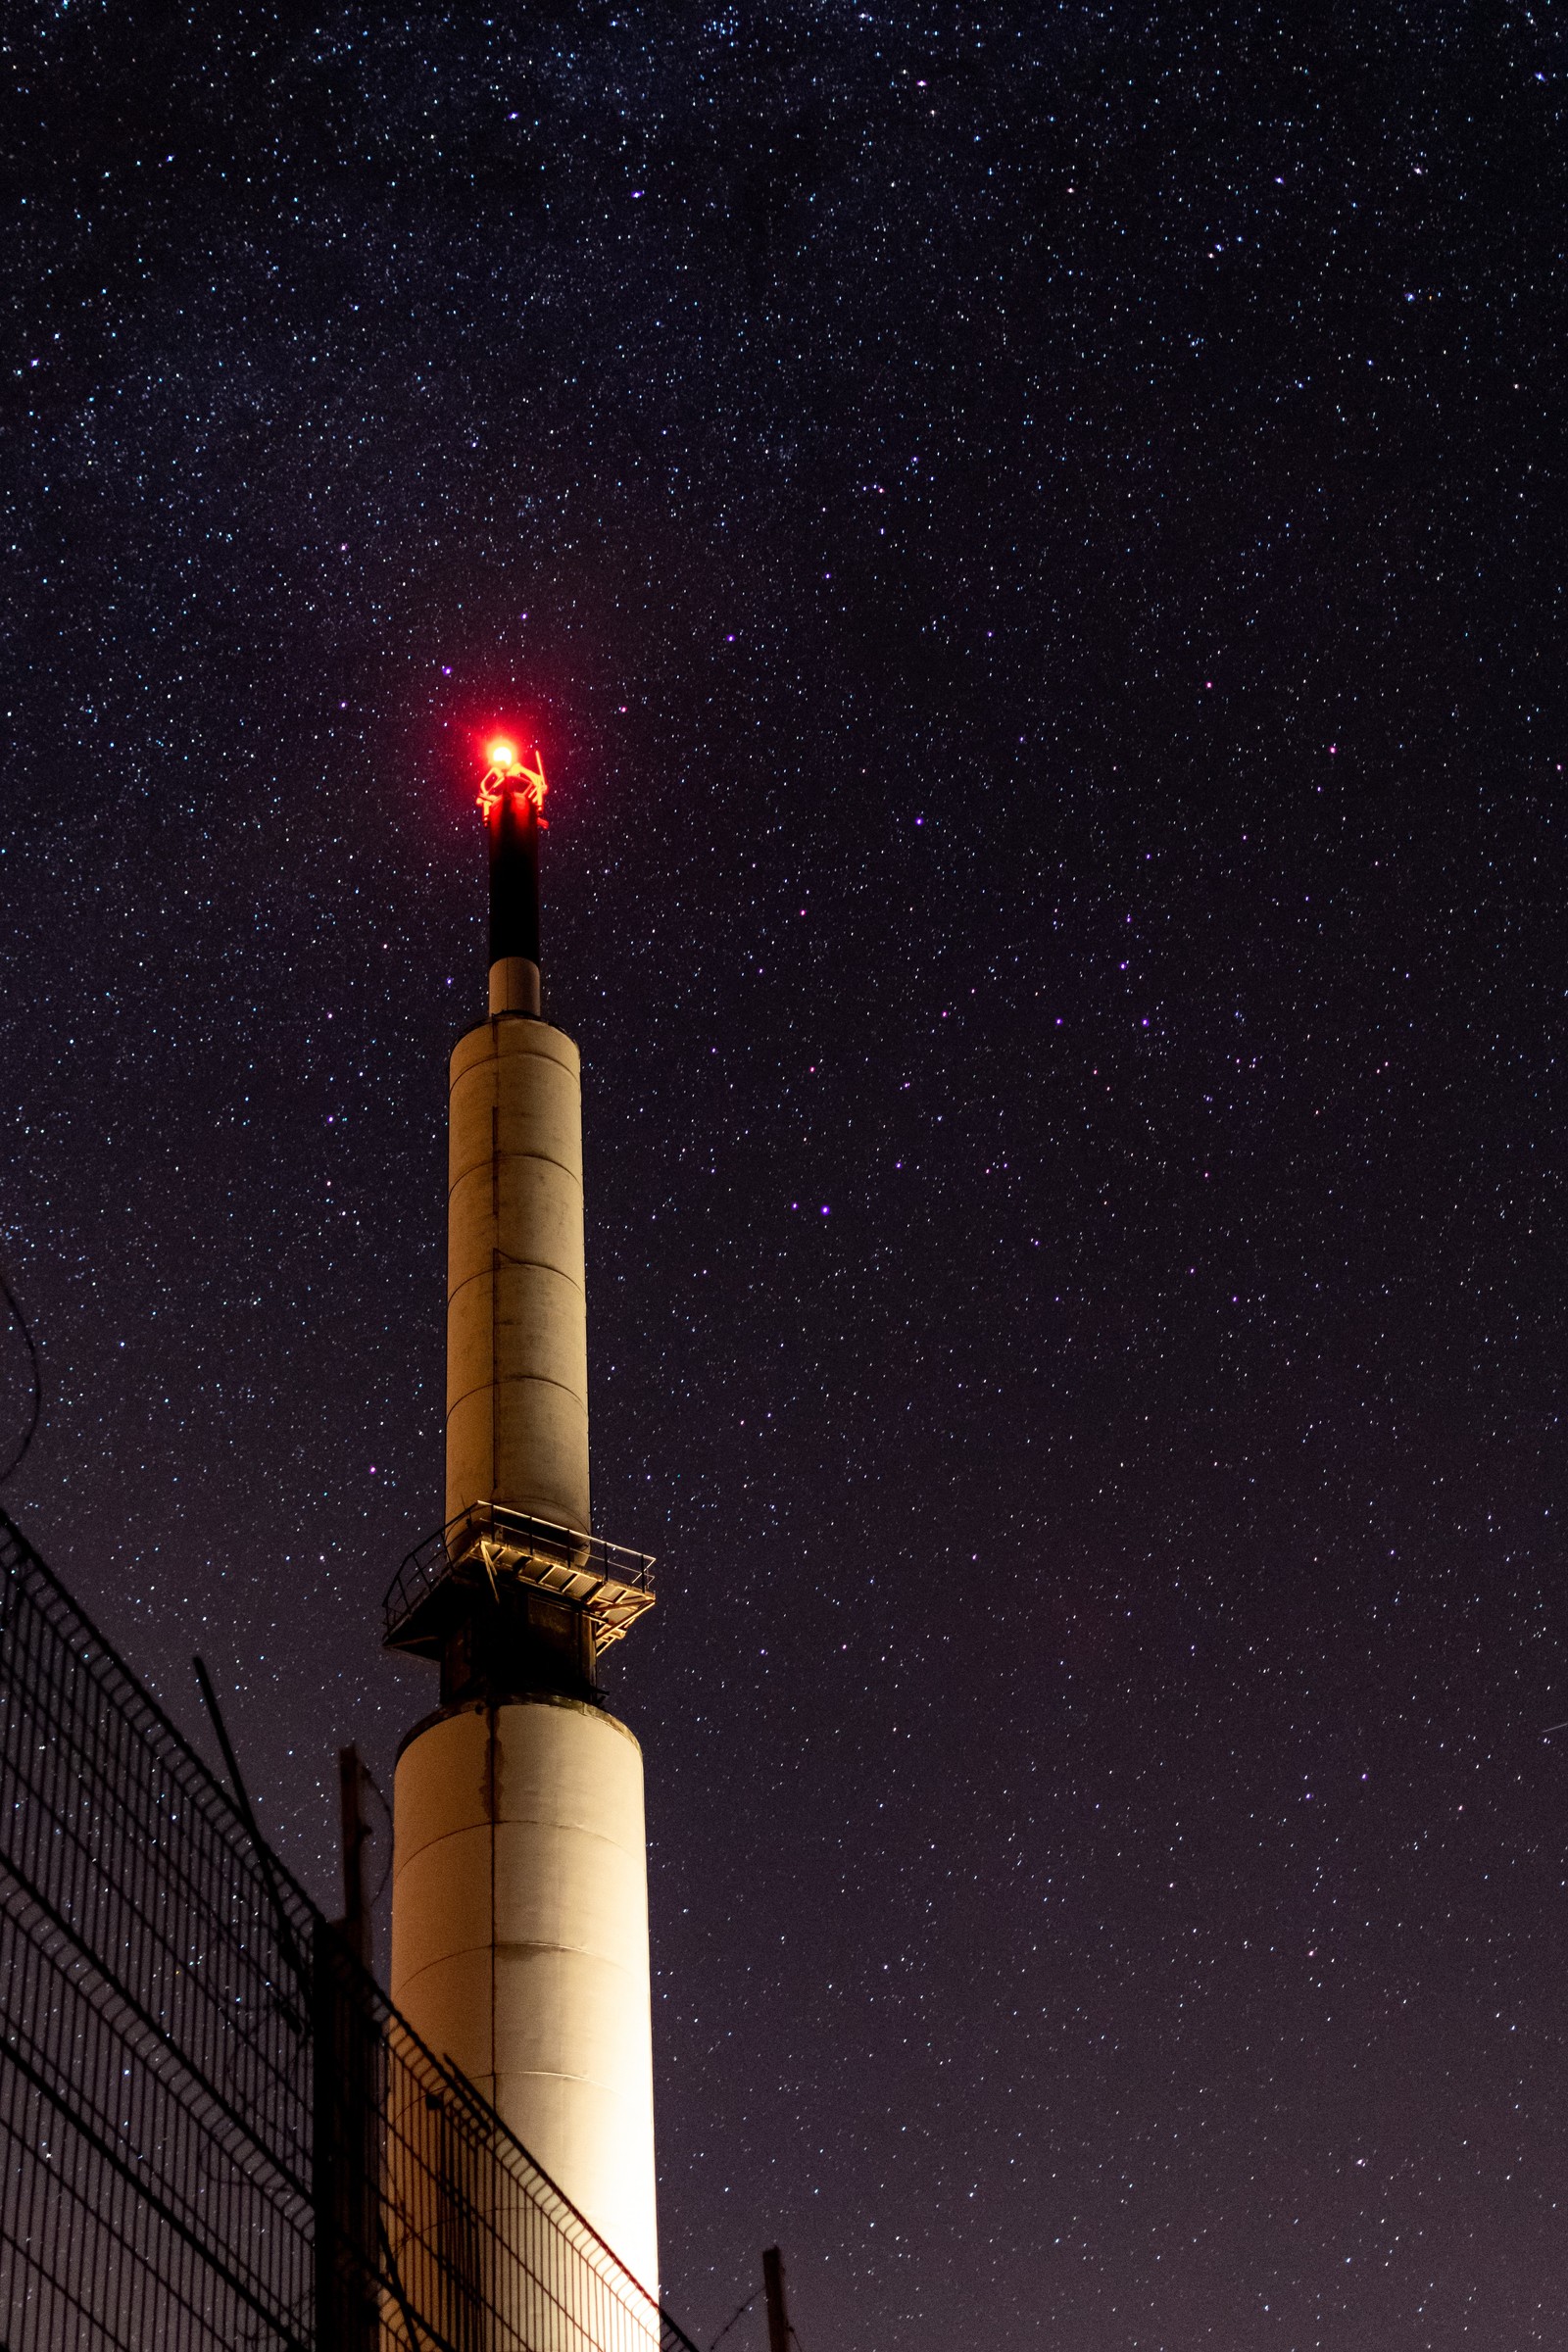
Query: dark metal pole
point(513, 820)
point(357, 1834)
point(347, 2058)
point(778, 2318)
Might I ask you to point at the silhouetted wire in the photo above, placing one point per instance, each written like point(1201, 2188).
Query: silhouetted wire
point(737, 2314)
point(259, 1846)
point(35, 1411)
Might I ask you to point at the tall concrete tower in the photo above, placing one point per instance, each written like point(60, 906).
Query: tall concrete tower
point(519, 1888)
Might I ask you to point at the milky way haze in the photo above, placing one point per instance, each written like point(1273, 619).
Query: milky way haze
point(1025, 538)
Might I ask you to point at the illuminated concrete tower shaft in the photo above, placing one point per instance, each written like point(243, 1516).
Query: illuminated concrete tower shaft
point(519, 1909)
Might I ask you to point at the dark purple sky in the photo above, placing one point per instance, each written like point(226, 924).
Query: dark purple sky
point(1026, 536)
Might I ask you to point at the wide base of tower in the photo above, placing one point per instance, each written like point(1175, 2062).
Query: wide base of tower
point(520, 1941)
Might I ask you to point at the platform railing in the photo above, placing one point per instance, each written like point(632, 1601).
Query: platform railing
point(613, 1584)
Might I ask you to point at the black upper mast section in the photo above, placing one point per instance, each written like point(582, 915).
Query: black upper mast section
point(512, 823)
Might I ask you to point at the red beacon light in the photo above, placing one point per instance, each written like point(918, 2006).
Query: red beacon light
point(509, 771)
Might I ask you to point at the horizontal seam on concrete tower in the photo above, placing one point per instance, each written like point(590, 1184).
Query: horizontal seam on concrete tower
point(514, 1380)
point(557, 2073)
point(578, 1951)
point(514, 1821)
point(542, 1264)
point(468, 1952)
point(517, 1151)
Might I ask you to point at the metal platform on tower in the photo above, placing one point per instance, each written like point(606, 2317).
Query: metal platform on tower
point(490, 1547)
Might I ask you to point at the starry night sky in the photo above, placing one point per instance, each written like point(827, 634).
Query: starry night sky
point(1027, 540)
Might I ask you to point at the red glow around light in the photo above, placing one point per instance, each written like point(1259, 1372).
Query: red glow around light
point(507, 769)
